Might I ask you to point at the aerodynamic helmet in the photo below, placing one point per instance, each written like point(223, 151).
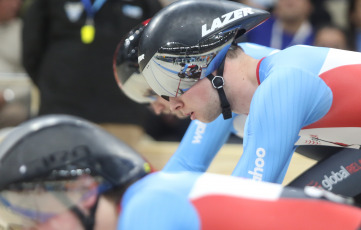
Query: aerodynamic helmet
point(126, 68)
point(51, 163)
point(188, 40)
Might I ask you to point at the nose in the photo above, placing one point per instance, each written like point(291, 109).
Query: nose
point(175, 104)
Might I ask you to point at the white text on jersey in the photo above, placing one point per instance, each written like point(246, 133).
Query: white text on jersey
point(201, 128)
point(259, 162)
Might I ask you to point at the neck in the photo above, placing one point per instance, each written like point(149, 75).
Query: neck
point(240, 82)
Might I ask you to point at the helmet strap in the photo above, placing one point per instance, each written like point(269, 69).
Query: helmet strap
point(218, 83)
point(88, 222)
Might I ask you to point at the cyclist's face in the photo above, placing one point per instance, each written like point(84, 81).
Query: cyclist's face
point(64, 221)
point(200, 102)
point(106, 218)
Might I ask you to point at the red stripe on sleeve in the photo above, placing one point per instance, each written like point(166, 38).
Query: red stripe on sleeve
point(345, 83)
point(258, 65)
point(226, 212)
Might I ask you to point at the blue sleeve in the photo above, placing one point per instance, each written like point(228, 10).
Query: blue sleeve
point(256, 51)
point(158, 210)
point(286, 101)
point(199, 145)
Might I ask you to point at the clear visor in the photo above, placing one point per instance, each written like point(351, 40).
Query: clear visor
point(27, 205)
point(180, 73)
point(133, 84)
point(172, 75)
point(137, 89)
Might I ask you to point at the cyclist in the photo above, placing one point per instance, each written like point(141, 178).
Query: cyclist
point(300, 95)
point(63, 172)
point(202, 141)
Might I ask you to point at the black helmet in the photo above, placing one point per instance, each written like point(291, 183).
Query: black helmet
point(126, 68)
point(55, 151)
point(188, 40)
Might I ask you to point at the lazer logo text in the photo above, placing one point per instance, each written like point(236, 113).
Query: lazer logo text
point(227, 19)
point(257, 172)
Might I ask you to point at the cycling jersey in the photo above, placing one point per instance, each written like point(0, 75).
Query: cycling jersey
point(307, 96)
point(202, 141)
point(192, 201)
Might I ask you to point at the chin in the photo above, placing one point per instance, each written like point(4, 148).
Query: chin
point(205, 120)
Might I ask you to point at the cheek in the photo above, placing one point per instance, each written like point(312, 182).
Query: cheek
point(65, 221)
point(199, 93)
point(204, 95)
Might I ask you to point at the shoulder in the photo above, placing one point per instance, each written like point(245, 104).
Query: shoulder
point(306, 52)
point(257, 51)
point(158, 209)
point(301, 58)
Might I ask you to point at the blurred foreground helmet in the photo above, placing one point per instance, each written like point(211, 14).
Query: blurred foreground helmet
point(188, 40)
point(126, 68)
point(52, 163)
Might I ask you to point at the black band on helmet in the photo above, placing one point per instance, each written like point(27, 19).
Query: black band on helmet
point(218, 82)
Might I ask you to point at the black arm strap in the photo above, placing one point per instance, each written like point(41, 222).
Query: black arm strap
point(218, 82)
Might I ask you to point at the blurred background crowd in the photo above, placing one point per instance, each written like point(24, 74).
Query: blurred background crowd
point(56, 56)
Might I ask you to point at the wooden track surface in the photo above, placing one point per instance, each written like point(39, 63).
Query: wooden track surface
point(158, 153)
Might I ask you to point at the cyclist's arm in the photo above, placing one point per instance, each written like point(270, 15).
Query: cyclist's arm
point(199, 145)
point(286, 101)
